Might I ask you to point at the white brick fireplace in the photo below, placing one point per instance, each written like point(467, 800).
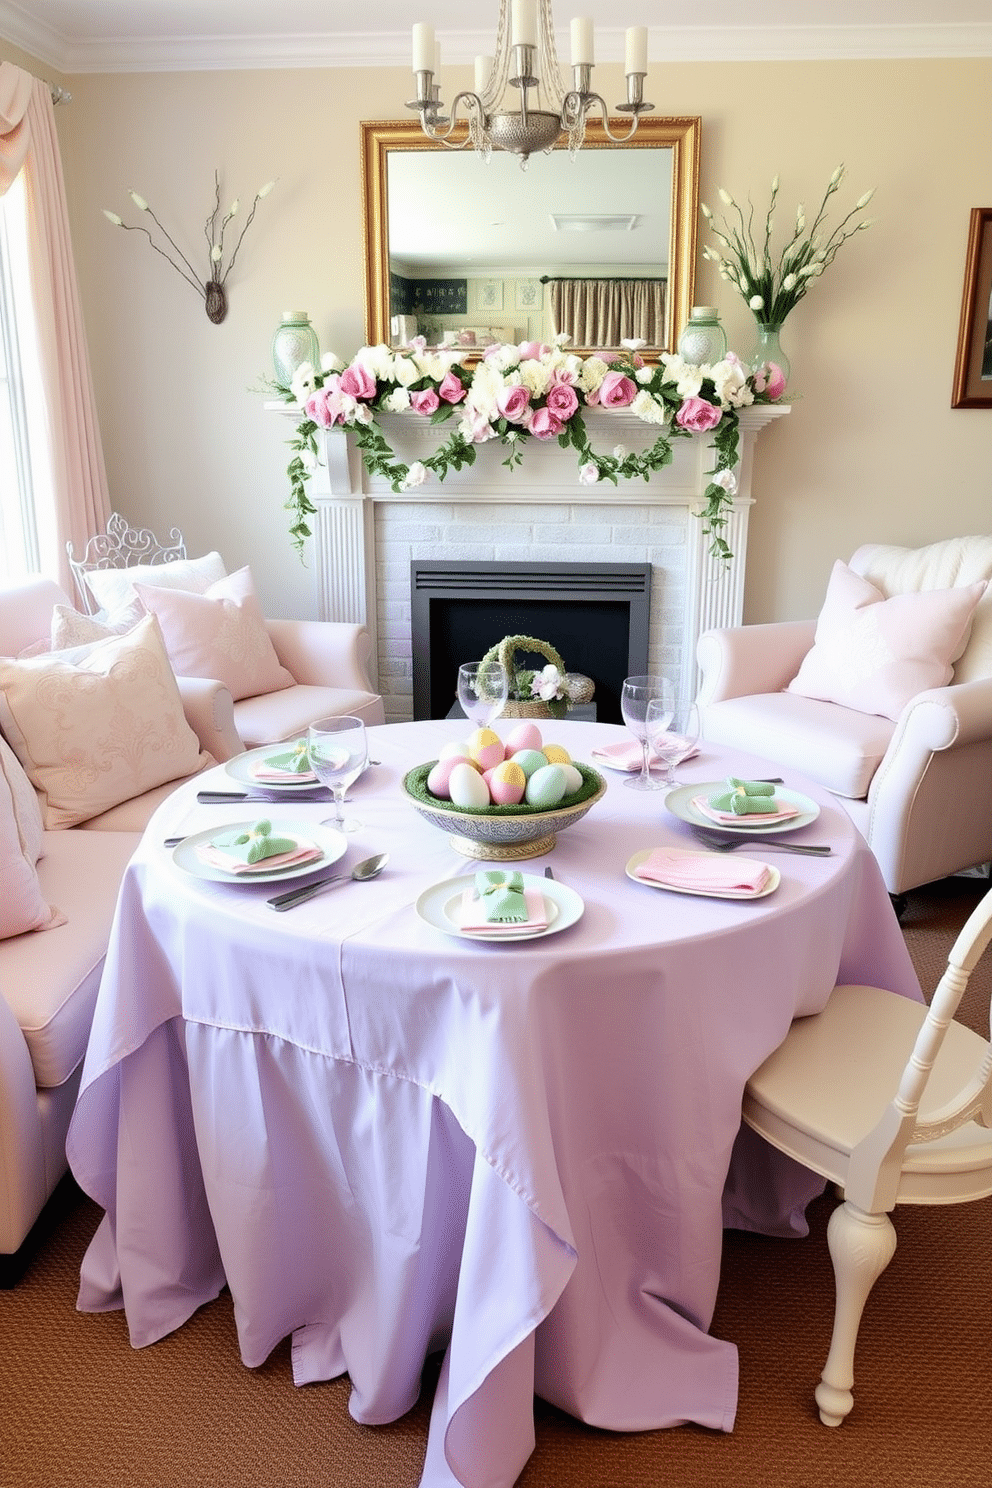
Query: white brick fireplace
point(365, 535)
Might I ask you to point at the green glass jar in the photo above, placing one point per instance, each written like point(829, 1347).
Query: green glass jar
point(294, 343)
point(703, 341)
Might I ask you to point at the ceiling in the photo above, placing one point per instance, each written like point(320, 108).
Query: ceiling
point(80, 36)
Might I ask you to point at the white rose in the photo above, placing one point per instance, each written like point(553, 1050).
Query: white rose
point(398, 401)
point(376, 359)
point(588, 474)
point(415, 476)
point(594, 369)
point(302, 382)
point(331, 363)
point(405, 371)
point(726, 480)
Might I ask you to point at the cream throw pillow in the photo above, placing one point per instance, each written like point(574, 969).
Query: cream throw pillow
point(112, 588)
point(219, 634)
point(27, 811)
point(22, 905)
point(93, 734)
point(875, 654)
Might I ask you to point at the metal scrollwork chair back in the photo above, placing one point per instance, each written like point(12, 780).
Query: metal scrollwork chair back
point(121, 546)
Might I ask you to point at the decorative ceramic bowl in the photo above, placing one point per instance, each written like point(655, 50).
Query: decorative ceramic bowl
point(502, 833)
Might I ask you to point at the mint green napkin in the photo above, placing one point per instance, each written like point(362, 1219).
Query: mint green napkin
point(255, 844)
point(503, 894)
point(746, 797)
point(297, 762)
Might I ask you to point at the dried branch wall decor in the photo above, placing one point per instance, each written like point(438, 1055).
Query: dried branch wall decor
point(211, 290)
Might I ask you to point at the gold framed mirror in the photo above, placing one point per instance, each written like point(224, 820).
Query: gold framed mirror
point(446, 257)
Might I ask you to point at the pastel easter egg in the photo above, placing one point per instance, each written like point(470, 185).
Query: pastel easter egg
point(486, 748)
point(546, 786)
point(556, 754)
point(455, 750)
point(466, 787)
point(438, 781)
point(507, 783)
point(524, 736)
point(529, 760)
point(573, 779)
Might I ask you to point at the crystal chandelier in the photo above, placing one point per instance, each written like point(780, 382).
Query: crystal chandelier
point(526, 60)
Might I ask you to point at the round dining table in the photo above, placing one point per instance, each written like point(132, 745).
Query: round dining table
point(390, 1139)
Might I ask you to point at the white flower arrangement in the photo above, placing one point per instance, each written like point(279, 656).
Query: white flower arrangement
point(770, 288)
point(518, 393)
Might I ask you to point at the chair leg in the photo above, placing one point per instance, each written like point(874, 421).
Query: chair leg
point(861, 1246)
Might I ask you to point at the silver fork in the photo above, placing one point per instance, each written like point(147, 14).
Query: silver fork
point(727, 844)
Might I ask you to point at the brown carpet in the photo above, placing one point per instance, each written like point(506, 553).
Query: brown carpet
point(81, 1409)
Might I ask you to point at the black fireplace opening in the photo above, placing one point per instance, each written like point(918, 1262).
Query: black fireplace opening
point(595, 615)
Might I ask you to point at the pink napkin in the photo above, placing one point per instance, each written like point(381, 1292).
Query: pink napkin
point(682, 868)
point(262, 771)
point(304, 852)
point(625, 756)
point(749, 819)
point(472, 915)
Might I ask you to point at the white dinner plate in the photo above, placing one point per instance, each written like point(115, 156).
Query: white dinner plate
point(439, 905)
point(240, 767)
point(774, 879)
point(332, 844)
point(679, 803)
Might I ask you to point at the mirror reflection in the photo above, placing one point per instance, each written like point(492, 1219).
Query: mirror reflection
point(469, 253)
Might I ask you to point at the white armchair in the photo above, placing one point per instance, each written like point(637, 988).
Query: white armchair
point(918, 786)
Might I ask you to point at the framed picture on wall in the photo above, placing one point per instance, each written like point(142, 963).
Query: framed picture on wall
point(973, 368)
point(489, 294)
point(529, 294)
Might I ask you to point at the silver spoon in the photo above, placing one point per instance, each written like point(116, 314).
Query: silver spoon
point(367, 868)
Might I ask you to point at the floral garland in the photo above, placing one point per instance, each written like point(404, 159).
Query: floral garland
point(517, 393)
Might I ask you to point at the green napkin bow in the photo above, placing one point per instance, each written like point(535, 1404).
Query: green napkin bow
point(257, 843)
point(295, 763)
point(746, 797)
point(503, 894)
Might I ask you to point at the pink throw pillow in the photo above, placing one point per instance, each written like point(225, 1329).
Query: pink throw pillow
point(874, 654)
point(219, 634)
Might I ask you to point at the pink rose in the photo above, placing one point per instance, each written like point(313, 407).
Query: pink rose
point(562, 400)
point(697, 415)
point(545, 424)
point(451, 389)
point(358, 382)
point(425, 401)
point(532, 351)
point(770, 380)
point(316, 408)
point(513, 403)
point(617, 391)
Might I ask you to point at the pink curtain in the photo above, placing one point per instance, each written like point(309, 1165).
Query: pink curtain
point(28, 141)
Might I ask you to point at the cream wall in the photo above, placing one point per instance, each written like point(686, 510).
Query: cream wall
point(871, 451)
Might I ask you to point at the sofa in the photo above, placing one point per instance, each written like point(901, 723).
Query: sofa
point(92, 738)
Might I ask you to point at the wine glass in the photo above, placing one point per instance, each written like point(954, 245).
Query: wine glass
point(338, 752)
point(672, 734)
point(483, 687)
point(635, 695)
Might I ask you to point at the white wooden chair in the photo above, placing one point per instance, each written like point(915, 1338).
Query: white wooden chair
point(892, 1102)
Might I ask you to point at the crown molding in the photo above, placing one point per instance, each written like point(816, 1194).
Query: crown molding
point(751, 43)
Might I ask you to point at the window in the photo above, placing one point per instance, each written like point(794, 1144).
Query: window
point(26, 502)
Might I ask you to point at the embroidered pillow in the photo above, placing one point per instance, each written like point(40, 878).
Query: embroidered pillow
point(71, 628)
point(875, 654)
point(219, 634)
point(112, 588)
point(93, 734)
point(22, 905)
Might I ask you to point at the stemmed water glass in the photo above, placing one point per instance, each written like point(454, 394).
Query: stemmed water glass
point(338, 752)
point(673, 733)
point(483, 687)
point(635, 695)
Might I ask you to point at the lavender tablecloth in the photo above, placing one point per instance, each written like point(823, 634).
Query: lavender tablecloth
point(387, 1140)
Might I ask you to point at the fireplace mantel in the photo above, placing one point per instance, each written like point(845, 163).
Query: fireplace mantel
point(365, 533)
